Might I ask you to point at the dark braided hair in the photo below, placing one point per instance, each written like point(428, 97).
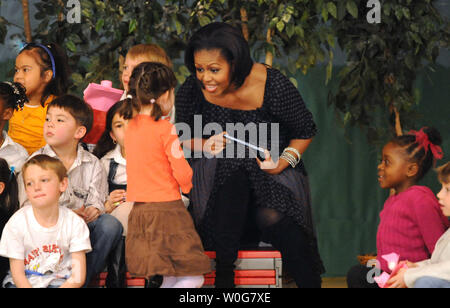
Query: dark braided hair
point(148, 82)
point(416, 152)
point(13, 95)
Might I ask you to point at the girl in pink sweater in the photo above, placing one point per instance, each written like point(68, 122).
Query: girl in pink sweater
point(411, 221)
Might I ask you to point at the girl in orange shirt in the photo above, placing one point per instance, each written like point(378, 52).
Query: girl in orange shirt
point(161, 237)
point(43, 71)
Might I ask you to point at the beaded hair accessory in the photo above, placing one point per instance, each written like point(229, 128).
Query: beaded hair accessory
point(20, 98)
point(290, 158)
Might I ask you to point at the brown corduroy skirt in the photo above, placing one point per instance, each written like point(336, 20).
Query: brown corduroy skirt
point(162, 240)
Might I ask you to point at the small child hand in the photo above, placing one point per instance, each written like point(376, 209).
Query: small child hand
point(116, 197)
point(91, 213)
point(80, 212)
point(411, 264)
point(398, 280)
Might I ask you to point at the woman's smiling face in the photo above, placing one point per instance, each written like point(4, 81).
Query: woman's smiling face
point(213, 71)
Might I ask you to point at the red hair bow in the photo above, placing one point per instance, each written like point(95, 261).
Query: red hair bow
point(422, 139)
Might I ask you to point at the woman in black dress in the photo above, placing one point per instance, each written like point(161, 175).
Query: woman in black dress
point(238, 194)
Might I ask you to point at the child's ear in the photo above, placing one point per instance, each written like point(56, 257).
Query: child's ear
point(63, 184)
point(111, 134)
point(48, 75)
point(80, 132)
point(413, 169)
point(2, 187)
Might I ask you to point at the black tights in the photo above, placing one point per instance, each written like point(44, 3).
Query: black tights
point(233, 209)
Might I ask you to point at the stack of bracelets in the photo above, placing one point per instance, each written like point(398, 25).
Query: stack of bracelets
point(290, 158)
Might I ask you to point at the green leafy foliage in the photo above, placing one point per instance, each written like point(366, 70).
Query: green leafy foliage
point(109, 28)
point(383, 61)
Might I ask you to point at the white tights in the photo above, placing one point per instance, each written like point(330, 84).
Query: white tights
point(183, 282)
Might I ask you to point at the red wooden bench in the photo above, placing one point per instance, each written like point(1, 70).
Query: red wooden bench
point(254, 269)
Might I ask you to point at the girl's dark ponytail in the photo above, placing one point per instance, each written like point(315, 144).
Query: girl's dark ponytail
point(60, 84)
point(423, 147)
point(148, 81)
point(430, 158)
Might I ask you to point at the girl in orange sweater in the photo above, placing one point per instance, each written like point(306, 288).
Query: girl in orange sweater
point(161, 236)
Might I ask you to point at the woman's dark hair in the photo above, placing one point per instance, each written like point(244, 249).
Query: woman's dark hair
point(13, 95)
point(9, 198)
point(148, 81)
point(416, 152)
point(106, 143)
point(232, 45)
point(61, 82)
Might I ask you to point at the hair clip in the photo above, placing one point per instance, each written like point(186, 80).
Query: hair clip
point(423, 140)
point(153, 101)
point(18, 45)
point(13, 86)
point(11, 174)
point(129, 96)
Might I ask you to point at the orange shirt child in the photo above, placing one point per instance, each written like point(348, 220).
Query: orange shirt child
point(156, 167)
point(26, 127)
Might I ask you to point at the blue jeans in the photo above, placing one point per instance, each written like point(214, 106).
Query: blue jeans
point(10, 285)
point(431, 282)
point(105, 234)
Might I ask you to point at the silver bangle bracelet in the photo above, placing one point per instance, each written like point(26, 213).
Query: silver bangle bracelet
point(292, 157)
point(294, 150)
point(291, 161)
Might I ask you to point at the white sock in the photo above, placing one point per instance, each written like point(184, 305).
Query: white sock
point(168, 282)
point(189, 282)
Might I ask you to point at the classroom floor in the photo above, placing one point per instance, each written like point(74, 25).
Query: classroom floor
point(334, 282)
point(327, 283)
